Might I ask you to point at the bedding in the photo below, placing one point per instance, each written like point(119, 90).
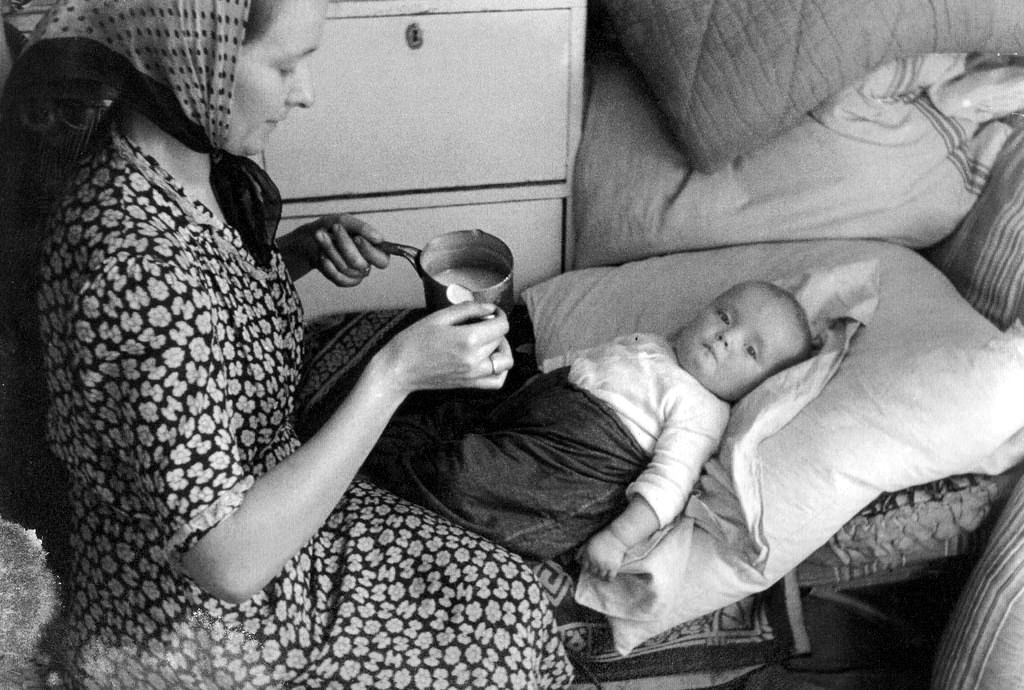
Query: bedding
point(907, 534)
point(927, 367)
point(756, 630)
point(981, 646)
point(926, 523)
point(984, 258)
point(838, 301)
point(732, 75)
point(877, 160)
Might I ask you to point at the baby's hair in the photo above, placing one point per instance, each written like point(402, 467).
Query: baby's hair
point(802, 322)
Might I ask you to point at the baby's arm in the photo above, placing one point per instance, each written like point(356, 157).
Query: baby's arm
point(602, 556)
point(689, 435)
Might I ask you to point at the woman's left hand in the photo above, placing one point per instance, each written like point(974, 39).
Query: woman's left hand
point(338, 245)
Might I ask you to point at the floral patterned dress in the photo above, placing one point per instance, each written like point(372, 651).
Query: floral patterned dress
point(171, 363)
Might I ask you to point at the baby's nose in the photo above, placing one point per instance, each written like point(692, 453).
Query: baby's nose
point(727, 336)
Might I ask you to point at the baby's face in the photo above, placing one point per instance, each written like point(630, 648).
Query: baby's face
point(744, 336)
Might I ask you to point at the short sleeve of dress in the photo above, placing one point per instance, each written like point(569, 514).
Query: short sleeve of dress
point(149, 362)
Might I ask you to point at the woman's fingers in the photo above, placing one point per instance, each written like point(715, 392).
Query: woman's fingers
point(485, 327)
point(366, 237)
point(501, 359)
point(474, 314)
point(355, 240)
point(371, 253)
point(345, 252)
point(331, 263)
point(345, 245)
point(357, 226)
point(453, 348)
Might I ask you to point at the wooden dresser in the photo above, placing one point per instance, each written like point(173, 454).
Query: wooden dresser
point(433, 116)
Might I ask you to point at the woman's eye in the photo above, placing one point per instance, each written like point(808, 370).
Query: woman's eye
point(723, 315)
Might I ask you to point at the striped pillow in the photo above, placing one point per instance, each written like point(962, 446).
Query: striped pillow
point(981, 646)
point(984, 258)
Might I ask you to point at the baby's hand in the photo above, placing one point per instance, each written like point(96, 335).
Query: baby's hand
point(602, 555)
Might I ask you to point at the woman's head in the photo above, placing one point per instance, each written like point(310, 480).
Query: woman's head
point(187, 53)
point(749, 332)
point(206, 72)
point(272, 74)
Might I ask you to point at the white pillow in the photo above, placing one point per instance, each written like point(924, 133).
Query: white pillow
point(869, 164)
point(929, 389)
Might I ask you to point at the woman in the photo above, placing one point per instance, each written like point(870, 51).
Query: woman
point(210, 547)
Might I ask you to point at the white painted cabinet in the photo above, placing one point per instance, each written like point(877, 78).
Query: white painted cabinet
point(433, 116)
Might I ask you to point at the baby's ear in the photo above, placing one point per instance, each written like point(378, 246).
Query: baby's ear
point(819, 332)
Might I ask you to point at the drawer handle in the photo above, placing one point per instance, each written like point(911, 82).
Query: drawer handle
point(414, 36)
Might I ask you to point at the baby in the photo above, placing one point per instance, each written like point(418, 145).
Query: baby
point(745, 335)
point(604, 449)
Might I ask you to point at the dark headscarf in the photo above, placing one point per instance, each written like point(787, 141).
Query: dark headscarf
point(171, 60)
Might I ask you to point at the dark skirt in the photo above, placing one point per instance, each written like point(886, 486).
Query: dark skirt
point(538, 474)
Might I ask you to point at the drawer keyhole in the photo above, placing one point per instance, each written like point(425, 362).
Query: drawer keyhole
point(414, 36)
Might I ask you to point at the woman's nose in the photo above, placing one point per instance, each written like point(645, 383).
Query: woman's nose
point(301, 94)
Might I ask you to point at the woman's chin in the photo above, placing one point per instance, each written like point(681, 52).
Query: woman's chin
point(252, 146)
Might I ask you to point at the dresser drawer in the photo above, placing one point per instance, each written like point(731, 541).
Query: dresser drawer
point(481, 101)
point(532, 230)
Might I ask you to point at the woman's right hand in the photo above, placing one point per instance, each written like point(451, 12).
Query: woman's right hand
point(462, 346)
point(341, 246)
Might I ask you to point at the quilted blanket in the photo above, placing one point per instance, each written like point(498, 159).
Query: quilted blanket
point(732, 74)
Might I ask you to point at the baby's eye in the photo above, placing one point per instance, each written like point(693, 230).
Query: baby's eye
point(751, 352)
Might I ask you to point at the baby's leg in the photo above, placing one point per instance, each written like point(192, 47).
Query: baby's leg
point(549, 469)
